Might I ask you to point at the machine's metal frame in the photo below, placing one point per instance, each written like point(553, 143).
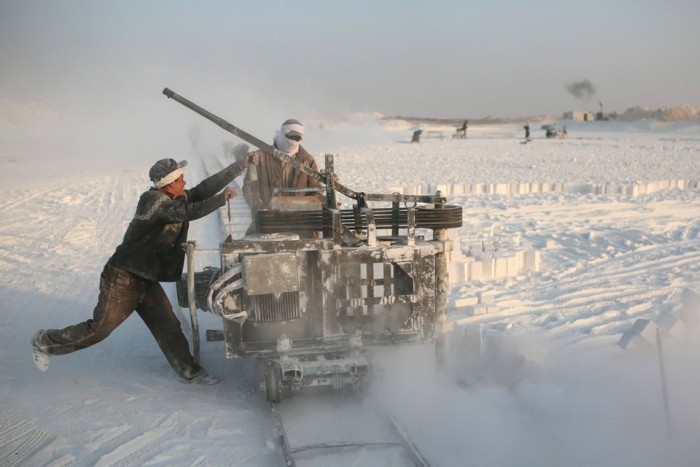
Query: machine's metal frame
point(312, 307)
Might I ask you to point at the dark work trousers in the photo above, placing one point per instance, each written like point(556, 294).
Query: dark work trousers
point(122, 293)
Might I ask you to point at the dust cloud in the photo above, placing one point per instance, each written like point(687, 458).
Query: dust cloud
point(572, 405)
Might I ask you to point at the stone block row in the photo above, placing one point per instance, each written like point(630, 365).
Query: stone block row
point(629, 189)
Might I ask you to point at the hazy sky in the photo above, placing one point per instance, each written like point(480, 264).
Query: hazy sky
point(106, 62)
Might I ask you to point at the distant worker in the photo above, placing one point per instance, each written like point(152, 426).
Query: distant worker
point(462, 131)
point(416, 136)
point(527, 131)
point(273, 175)
point(151, 252)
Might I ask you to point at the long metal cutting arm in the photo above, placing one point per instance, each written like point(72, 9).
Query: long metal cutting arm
point(258, 143)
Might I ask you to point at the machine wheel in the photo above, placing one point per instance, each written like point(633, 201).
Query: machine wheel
point(273, 382)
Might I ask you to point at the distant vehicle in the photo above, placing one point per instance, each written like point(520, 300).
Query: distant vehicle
point(553, 131)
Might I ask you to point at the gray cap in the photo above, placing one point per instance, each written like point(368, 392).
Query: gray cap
point(164, 167)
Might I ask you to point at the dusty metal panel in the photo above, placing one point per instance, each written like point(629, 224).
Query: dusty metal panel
point(273, 243)
point(282, 306)
point(232, 334)
point(426, 277)
point(296, 203)
point(329, 270)
point(271, 273)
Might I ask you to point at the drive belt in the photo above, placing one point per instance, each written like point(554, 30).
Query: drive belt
point(428, 217)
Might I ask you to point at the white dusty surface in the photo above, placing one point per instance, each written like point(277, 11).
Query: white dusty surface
point(607, 260)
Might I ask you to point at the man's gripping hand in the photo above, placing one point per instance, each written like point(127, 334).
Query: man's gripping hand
point(229, 193)
point(250, 158)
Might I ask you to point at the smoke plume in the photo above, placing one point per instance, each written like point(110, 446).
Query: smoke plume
point(581, 89)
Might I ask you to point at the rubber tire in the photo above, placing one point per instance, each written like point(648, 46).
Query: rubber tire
point(273, 383)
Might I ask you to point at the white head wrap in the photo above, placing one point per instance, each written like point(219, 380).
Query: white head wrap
point(166, 171)
point(287, 145)
point(168, 179)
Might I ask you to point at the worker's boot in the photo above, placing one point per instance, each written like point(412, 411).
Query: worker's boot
point(200, 377)
point(41, 357)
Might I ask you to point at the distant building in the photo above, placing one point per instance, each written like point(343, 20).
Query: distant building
point(579, 116)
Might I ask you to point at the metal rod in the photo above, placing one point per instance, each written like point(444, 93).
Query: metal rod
point(345, 445)
point(331, 202)
point(442, 289)
point(192, 299)
point(247, 137)
point(413, 452)
point(282, 436)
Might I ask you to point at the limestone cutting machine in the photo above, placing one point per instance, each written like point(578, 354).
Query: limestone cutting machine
point(319, 286)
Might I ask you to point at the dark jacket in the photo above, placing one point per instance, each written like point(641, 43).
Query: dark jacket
point(152, 245)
